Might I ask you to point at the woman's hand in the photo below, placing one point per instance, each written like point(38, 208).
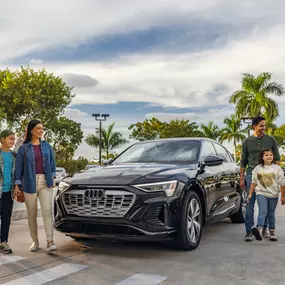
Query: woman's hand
point(17, 191)
point(282, 200)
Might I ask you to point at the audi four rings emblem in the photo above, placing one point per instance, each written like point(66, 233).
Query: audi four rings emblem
point(94, 194)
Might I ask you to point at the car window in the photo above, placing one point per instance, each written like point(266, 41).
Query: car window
point(221, 151)
point(207, 150)
point(171, 151)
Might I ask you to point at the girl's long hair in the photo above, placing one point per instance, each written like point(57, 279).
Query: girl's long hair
point(30, 126)
point(261, 154)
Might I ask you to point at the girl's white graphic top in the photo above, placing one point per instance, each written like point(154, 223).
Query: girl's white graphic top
point(268, 179)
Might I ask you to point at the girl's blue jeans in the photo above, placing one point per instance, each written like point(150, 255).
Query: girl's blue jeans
point(267, 207)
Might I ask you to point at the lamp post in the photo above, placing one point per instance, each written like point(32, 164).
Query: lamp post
point(247, 120)
point(100, 118)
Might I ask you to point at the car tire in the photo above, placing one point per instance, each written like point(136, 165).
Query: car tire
point(191, 223)
point(239, 216)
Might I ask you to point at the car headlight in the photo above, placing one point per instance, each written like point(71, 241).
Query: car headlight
point(169, 187)
point(63, 185)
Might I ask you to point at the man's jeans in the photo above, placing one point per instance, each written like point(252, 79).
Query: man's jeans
point(249, 214)
point(267, 207)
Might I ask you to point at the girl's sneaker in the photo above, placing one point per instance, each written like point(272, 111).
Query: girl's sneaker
point(5, 248)
point(257, 232)
point(272, 235)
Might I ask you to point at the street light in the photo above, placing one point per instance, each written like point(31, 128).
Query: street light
point(100, 118)
point(247, 120)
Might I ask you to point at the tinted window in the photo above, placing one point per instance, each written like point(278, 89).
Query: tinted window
point(183, 151)
point(207, 150)
point(222, 152)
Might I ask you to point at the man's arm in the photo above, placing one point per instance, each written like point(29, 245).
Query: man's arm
point(243, 163)
point(275, 150)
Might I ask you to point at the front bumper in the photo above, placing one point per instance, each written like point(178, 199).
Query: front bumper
point(153, 216)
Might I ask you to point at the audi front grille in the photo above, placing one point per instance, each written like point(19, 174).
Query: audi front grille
point(98, 203)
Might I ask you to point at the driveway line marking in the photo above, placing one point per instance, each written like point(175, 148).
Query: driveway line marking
point(5, 258)
point(47, 275)
point(142, 279)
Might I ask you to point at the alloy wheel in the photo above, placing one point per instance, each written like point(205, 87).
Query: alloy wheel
point(194, 220)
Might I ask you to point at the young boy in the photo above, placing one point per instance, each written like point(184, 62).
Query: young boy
point(7, 167)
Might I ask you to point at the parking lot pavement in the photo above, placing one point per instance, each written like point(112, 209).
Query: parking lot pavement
point(222, 258)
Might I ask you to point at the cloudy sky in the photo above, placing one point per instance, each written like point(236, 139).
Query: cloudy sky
point(137, 59)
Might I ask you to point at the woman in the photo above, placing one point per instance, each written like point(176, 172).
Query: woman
point(35, 175)
point(267, 181)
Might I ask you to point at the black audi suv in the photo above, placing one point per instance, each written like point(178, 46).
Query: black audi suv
point(166, 189)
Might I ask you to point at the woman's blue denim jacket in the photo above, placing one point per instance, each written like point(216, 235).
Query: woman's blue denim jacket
point(25, 174)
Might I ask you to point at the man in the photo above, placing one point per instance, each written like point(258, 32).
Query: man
point(251, 148)
point(7, 168)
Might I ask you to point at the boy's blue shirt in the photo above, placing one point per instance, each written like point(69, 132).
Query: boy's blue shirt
point(2, 172)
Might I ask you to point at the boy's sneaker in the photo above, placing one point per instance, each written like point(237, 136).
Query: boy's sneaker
point(248, 237)
point(265, 233)
point(257, 232)
point(5, 248)
point(35, 246)
point(51, 246)
point(272, 236)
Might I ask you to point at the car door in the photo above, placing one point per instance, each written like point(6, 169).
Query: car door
point(210, 178)
point(225, 195)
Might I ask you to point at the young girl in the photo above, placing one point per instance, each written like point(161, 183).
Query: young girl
point(267, 180)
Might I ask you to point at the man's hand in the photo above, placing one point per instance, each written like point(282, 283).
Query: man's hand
point(248, 198)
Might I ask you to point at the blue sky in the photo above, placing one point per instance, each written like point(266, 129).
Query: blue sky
point(169, 59)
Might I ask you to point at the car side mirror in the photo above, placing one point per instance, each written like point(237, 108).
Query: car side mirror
point(107, 161)
point(213, 160)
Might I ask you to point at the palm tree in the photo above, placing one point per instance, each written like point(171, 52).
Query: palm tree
point(110, 140)
point(211, 130)
point(253, 99)
point(233, 132)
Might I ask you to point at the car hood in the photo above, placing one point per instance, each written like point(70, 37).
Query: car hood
point(125, 174)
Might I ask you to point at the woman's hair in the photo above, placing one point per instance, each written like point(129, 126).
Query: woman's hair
point(30, 126)
point(261, 154)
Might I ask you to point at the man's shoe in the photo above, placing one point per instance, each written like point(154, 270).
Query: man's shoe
point(257, 232)
point(6, 249)
point(51, 246)
point(265, 233)
point(248, 237)
point(35, 246)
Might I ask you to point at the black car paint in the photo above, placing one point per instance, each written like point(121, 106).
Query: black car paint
point(217, 187)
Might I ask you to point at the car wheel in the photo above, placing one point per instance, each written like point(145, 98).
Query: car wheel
point(191, 223)
point(239, 216)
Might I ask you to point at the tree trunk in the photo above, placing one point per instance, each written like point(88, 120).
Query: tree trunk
point(235, 147)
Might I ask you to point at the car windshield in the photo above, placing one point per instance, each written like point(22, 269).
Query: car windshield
point(59, 170)
point(184, 151)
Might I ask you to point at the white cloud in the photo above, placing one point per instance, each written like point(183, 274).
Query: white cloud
point(181, 80)
point(35, 61)
point(216, 115)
